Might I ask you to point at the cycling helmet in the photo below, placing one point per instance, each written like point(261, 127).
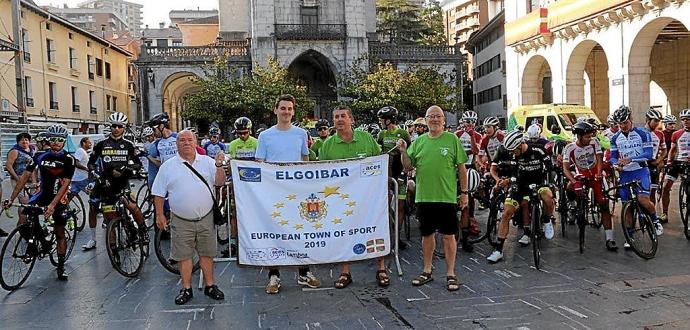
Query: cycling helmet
point(57, 130)
point(533, 131)
point(374, 129)
point(161, 118)
point(470, 116)
point(322, 123)
point(555, 129)
point(519, 128)
point(473, 180)
point(685, 113)
point(242, 123)
point(363, 127)
point(621, 114)
point(148, 131)
point(491, 121)
point(40, 137)
point(409, 123)
point(592, 121)
point(387, 112)
point(582, 128)
point(669, 119)
point(214, 131)
point(653, 114)
point(191, 129)
point(420, 121)
point(118, 118)
point(611, 119)
point(513, 140)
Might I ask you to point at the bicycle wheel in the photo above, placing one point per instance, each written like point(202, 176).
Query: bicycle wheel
point(581, 221)
point(683, 200)
point(162, 247)
point(125, 248)
point(639, 231)
point(16, 263)
point(594, 211)
point(70, 237)
point(535, 212)
point(77, 204)
point(145, 203)
point(491, 230)
point(563, 207)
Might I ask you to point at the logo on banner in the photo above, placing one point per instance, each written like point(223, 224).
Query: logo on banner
point(250, 174)
point(359, 248)
point(376, 245)
point(371, 168)
point(313, 209)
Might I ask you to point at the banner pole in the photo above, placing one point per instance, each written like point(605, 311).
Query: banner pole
point(396, 225)
point(228, 211)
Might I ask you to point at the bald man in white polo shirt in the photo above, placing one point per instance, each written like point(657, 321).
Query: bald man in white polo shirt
point(191, 206)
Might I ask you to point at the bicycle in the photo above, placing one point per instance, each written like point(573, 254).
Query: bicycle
point(77, 203)
point(638, 228)
point(562, 207)
point(535, 210)
point(145, 201)
point(31, 241)
point(684, 200)
point(582, 211)
point(496, 202)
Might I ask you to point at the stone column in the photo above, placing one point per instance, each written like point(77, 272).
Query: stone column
point(638, 91)
point(575, 90)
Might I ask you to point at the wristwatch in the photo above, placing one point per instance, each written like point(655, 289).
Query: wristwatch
point(221, 165)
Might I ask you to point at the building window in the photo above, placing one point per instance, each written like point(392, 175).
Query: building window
point(89, 65)
point(107, 102)
point(107, 70)
point(489, 95)
point(177, 43)
point(75, 100)
point(488, 67)
point(72, 58)
point(50, 48)
point(92, 101)
point(310, 15)
point(99, 67)
point(70, 36)
point(49, 26)
point(28, 92)
point(88, 43)
point(25, 45)
point(114, 103)
point(52, 94)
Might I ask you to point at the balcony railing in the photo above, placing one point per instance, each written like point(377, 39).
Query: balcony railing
point(310, 31)
point(94, 110)
point(75, 108)
point(393, 52)
point(27, 57)
point(234, 50)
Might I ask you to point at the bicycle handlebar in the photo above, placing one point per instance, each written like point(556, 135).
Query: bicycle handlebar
point(29, 206)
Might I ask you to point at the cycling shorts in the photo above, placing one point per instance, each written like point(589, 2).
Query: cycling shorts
point(59, 216)
point(641, 174)
point(595, 185)
point(674, 170)
point(523, 192)
point(654, 177)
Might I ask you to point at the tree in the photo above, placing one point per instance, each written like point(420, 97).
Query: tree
point(226, 94)
point(432, 16)
point(402, 22)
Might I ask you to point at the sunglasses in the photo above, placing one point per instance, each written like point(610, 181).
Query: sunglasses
point(56, 139)
point(322, 129)
point(117, 126)
point(243, 133)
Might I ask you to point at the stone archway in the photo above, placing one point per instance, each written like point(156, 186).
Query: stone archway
point(588, 61)
point(317, 72)
point(174, 89)
point(661, 53)
point(536, 87)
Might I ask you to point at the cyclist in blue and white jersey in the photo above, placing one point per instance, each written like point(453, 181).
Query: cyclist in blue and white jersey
point(631, 149)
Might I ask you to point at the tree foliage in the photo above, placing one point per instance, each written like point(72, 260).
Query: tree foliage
point(402, 22)
point(226, 95)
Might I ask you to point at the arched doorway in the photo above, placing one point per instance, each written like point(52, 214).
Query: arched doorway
point(316, 71)
point(587, 80)
point(175, 88)
point(660, 53)
point(536, 82)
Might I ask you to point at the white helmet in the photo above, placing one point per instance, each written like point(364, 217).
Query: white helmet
point(669, 119)
point(653, 114)
point(513, 140)
point(491, 121)
point(118, 118)
point(470, 116)
point(685, 113)
point(473, 180)
point(148, 131)
point(533, 131)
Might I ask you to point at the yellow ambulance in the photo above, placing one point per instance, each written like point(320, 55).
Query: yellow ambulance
point(547, 115)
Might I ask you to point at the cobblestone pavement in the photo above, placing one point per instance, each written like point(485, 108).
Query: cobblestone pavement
point(594, 290)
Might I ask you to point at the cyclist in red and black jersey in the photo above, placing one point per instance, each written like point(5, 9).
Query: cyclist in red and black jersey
point(669, 122)
point(491, 141)
point(678, 157)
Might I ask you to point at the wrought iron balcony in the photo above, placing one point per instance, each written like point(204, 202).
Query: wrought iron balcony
point(75, 108)
point(27, 57)
point(417, 53)
point(94, 110)
point(311, 31)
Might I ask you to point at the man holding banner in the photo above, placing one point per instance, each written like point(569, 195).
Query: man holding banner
point(439, 159)
point(345, 144)
point(285, 143)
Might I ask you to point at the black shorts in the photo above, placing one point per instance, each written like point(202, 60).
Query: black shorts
point(439, 217)
point(674, 170)
point(59, 218)
point(654, 177)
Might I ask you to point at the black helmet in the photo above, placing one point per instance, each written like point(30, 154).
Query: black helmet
point(555, 129)
point(158, 119)
point(582, 128)
point(387, 112)
point(242, 123)
point(322, 123)
point(622, 114)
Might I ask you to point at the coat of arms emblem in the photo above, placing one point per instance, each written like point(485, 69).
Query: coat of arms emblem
point(313, 209)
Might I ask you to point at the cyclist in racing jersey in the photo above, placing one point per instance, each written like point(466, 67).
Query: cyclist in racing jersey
point(677, 159)
point(586, 156)
point(470, 141)
point(669, 122)
point(322, 129)
point(56, 169)
point(244, 147)
point(532, 168)
point(213, 146)
point(409, 126)
point(659, 150)
point(613, 127)
point(388, 139)
point(115, 160)
point(631, 152)
point(492, 139)
point(535, 137)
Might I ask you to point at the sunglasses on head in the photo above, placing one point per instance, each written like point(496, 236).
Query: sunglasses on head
point(117, 126)
point(56, 139)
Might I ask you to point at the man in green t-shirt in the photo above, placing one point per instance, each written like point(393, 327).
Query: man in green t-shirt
point(244, 147)
point(387, 138)
point(348, 143)
point(322, 129)
point(439, 159)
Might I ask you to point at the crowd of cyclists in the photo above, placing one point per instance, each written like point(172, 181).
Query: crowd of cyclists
point(519, 164)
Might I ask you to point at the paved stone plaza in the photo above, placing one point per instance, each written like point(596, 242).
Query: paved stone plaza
point(596, 290)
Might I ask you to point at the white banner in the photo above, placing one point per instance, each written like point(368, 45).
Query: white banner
point(312, 212)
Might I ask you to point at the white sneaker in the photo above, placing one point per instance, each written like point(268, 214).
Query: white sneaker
point(90, 245)
point(309, 280)
point(524, 240)
point(548, 230)
point(659, 228)
point(495, 257)
point(626, 246)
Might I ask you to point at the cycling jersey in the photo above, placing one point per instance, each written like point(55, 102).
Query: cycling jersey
point(465, 138)
point(668, 134)
point(504, 162)
point(165, 148)
point(681, 138)
point(115, 154)
point(246, 150)
point(213, 148)
point(490, 145)
point(56, 170)
point(584, 158)
point(657, 142)
point(608, 133)
point(635, 145)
